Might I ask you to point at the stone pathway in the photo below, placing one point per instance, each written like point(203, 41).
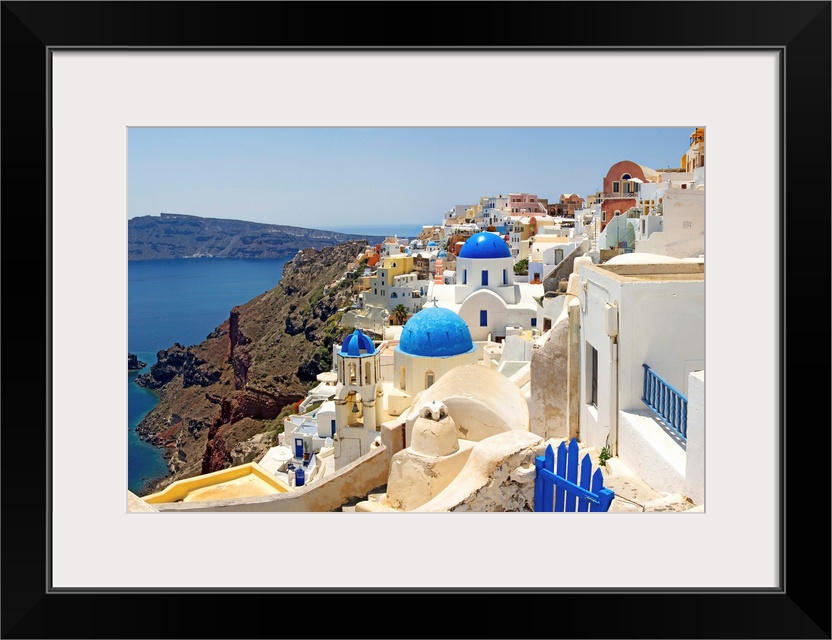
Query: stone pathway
point(633, 495)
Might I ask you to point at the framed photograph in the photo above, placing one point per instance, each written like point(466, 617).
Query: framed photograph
point(76, 76)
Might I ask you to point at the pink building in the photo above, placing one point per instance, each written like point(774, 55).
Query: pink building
point(526, 203)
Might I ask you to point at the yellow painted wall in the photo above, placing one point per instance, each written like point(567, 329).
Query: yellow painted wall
point(404, 264)
point(180, 489)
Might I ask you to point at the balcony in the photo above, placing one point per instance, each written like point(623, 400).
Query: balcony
point(666, 402)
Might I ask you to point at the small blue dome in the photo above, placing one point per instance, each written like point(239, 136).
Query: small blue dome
point(435, 332)
point(485, 245)
point(442, 254)
point(432, 244)
point(355, 343)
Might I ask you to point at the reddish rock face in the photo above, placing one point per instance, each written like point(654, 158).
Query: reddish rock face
point(217, 456)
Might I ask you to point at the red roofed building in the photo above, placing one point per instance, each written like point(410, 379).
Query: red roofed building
point(621, 188)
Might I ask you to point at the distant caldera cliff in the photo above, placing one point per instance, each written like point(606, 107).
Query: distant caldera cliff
point(174, 235)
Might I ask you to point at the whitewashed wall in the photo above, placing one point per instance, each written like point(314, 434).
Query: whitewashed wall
point(695, 463)
point(660, 323)
point(683, 232)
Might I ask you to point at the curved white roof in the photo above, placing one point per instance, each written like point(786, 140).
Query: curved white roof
point(643, 258)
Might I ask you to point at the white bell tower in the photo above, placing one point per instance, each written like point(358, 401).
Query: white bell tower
point(358, 398)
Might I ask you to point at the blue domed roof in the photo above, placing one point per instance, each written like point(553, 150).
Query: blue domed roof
point(355, 342)
point(485, 245)
point(435, 332)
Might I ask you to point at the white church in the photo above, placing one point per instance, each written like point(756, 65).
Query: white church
point(486, 295)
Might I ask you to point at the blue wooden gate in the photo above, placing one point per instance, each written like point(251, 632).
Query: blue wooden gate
point(559, 490)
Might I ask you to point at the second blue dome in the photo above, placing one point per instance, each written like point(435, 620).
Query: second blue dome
point(436, 332)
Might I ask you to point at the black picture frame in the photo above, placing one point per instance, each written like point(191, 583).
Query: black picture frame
point(800, 31)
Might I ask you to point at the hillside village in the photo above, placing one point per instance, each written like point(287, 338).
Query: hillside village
point(511, 325)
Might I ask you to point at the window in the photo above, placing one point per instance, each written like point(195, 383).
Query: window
point(465, 276)
point(593, 389)
point(352, 374)
point(603, 216)
point(505, 277)
point(429, 379)
point(558, 256)
point(332, 428)
point(483, 317)
point(615, 186)
point(534, 322)
point(485, 277)
point(367, 369)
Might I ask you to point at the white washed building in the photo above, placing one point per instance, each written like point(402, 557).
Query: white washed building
point(638, 310)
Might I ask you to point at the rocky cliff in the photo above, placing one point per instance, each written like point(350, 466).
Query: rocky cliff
point(172, 235)
point(219, 400)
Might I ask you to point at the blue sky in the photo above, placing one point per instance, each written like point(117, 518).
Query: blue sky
point(337, 177)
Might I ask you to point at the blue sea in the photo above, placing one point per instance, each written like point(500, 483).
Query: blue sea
point(179, 301)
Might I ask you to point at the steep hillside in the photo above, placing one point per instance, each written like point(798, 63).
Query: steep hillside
point(182, 236)
point(218, 397)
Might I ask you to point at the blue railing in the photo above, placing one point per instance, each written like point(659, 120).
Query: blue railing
point(666, 402)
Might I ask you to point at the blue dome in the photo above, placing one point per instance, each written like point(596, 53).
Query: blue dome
point(435, 332)
point(485, 245)
point(356, 342)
